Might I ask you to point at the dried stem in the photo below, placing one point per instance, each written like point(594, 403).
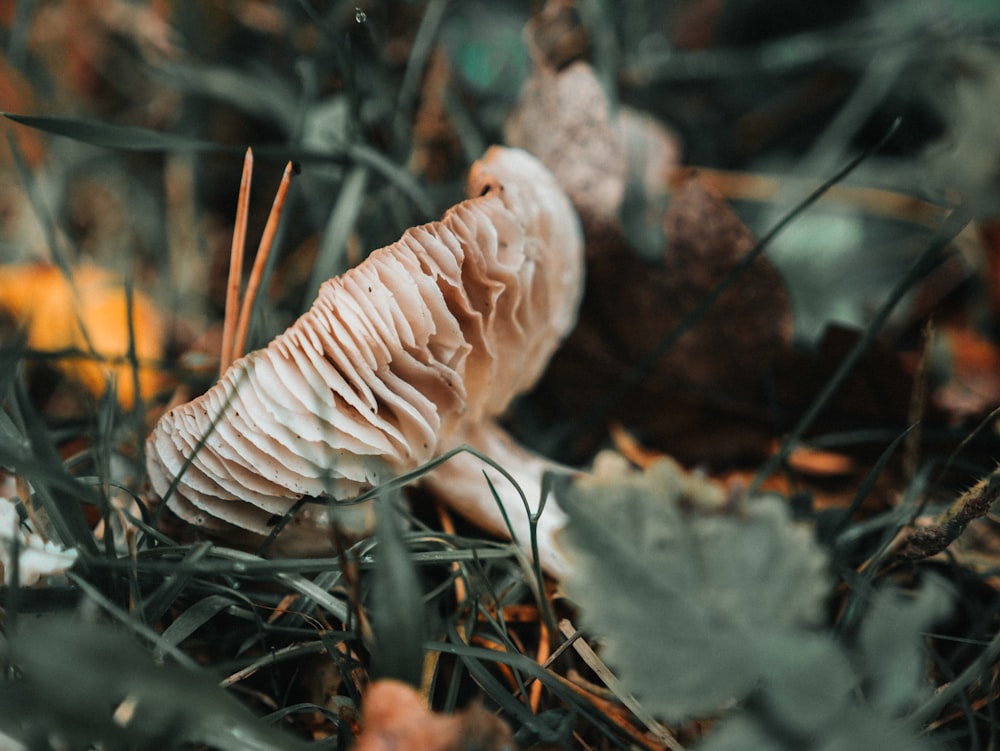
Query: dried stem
point(973, 504)
point(257, 272)
point(236, 265)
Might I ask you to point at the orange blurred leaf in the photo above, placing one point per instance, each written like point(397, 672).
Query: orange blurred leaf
point(89, 315)
point(972, 365)
point(395, 718)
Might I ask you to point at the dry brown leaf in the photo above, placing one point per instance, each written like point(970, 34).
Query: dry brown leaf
point(91, 311)
point(605, 159)
point(878, 392)
point(395, 718)
point(707, 399)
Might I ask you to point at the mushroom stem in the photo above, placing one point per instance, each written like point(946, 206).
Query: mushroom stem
point(461, 482)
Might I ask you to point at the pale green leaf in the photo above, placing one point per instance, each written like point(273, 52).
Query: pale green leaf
point(810, 683)
point(704, 602)
point(890, 644)
point(688, 594)
point(84, 684)
point(856, 729)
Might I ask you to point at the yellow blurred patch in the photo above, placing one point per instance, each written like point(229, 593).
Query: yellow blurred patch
point(89, 314)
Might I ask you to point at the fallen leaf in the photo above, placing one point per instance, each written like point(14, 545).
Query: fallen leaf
point(395, 718)
point(90, 311)
point(563, 118)
point(970, 366)
point(707, 399)
point(684, 587)
point(614, 163)
point(702, 600)
point(646, 271)
point(877, 394)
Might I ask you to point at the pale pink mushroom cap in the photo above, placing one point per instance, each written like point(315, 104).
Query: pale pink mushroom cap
point(403, 357)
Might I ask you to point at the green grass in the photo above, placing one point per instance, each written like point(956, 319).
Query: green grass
point(159, 640)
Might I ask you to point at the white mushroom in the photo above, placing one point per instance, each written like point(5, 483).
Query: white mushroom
point(36, 557)
point(400, 359)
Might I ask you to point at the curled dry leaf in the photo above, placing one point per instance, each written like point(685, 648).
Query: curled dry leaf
point(646, 271)
point(88, 315)
point(607, 161)
point(395, 718)
point(563, 118)
point(410, 354)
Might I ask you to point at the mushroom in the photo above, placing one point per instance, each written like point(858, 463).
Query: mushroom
point(415, 351)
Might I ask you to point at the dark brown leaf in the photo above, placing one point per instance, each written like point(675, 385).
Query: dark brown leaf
point(707, 398)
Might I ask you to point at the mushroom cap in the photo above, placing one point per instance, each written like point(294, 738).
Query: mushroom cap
point(390, 365)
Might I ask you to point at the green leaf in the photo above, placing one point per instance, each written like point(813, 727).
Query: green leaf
point(687, 596)
point(257, 91)
point(809, 683)
point(856, 729)
point(702, 602)
point(194, 618)
point(890, 644)
point(400, 621)
point(90, 683)
point(112, 136)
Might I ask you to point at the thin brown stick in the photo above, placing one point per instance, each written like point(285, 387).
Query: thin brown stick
point(236, 266)
point(593, 660)
point(535, 697)
point(257, 272)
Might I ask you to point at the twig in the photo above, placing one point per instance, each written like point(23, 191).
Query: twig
point(236, 266)
point(257, 272)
